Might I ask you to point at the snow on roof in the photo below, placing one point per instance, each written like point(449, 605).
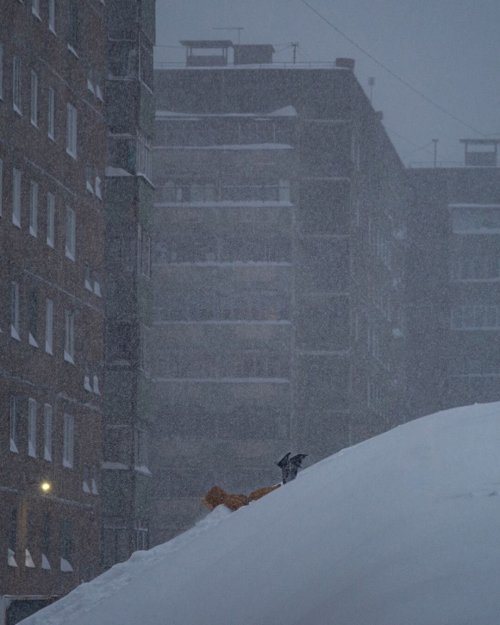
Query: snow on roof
point(286, 111)
point(401, 529)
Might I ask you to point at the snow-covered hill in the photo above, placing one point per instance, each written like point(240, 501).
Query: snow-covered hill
point(403, 529)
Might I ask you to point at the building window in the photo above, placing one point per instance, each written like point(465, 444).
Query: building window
point(47, 432)
point(16, 84)
point(14, 425)
point(35, 7)
point(45, 542)
point(34, 98)
point(478, 317)
point(73, 24)
point(12, 539)
point(70, 244)
point(32, 428)
point(33, 318)
point(98, 187)
point(68, 440)
point(71, 130)
point(51, 113)
point(14, 311)
point(69, 336)
point(1, 187)
point(1, 71)
point(52, 15)
point(141, 448)
point(34, 209)
point(141, 535)
point(51, 219)
point(16, 198)
point(49, 326)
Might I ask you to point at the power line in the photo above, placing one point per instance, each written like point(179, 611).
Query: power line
point(391, 72)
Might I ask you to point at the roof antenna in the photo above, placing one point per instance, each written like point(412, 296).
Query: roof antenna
point(236, 28)
point(295, 45)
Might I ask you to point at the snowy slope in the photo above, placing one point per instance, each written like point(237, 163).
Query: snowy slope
point(403, 529)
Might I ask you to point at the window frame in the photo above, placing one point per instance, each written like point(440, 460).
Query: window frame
point(49, 326)
point(34, 99)
point(33, 217)
point(17, 179)
point(17, 84)
point(69, 336)
point(52, 15)
point(71, 130)
point(51, 219)
point(70, 234)
point(51, 113)
point(68, 441)
point(32, 410)
point(14, 424)
point(48, 416)
point(15, 311)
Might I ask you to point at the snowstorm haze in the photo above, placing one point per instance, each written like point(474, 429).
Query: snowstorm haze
point(448, 50)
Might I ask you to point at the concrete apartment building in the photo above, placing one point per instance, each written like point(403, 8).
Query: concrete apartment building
point(454, 281)
point(52, 162)
point(280, 238)
point(129, 203)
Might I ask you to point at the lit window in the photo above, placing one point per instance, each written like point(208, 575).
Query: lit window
point(14, 425)
point(33, 209)
point(34, 98)
point(71, 130)
point(70, 244)
point(14, 311)
point(69, 336)
point(16, 198)
point(51, 113)
point(32, 428)
point(51, 219)
point(16, 84)
point(52, 15)
point(68, 440)
point(47, 432)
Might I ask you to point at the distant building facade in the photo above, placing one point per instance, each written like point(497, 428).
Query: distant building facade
point(280, 238)
point(129, 204)
point(52, 162)
point(454, 281)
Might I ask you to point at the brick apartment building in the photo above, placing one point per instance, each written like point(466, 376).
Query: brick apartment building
point(280, 239)
point(52, 163)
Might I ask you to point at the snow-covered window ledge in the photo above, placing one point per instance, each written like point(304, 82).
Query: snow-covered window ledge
point(45, 563)
point(65, 566)
point(13, 447)
point(69, 358)
point(32, 340)
point(14, 333)
point(86, 383)
point(11, 558)
point(143, 470)
point(85, 487)
point(28, 560)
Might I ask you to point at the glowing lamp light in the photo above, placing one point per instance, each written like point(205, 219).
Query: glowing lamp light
point(45, 486)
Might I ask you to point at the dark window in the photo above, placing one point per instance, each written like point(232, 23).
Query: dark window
point(73, 34)
point(33, 314)
point(45, 542)
point(67, 545)
point(13, 530)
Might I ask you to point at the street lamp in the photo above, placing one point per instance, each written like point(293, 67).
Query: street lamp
point(45, 486)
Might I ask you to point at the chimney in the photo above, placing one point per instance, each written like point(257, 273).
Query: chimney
point(345, 63)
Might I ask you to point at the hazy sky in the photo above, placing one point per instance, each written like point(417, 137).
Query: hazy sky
point(447, 49)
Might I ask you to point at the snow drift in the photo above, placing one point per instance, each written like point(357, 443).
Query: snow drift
point(401, 529)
